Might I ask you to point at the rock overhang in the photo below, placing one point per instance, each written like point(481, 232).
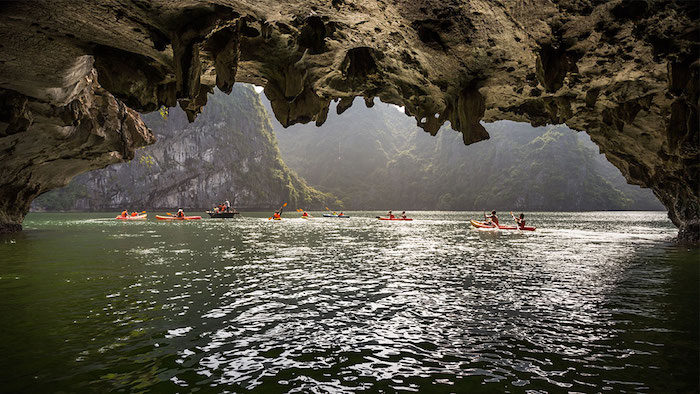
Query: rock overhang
point(626, 72)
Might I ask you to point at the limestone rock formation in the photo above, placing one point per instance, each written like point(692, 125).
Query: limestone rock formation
point(228, 153)
point(44, 144)
point(625, 71)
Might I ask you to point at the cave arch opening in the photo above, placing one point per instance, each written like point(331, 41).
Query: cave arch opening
point(375, 157)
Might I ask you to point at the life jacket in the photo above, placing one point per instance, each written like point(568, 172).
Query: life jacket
point(494, 220)
point(134, 214)
point(124, 214)
point(391, 216)
point(276, 215)
point(181, 214)
point(305, 214)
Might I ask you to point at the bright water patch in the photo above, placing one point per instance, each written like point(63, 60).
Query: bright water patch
point(588, 302)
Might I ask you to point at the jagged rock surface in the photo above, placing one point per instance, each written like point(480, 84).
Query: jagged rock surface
point(44, 145)
point(626, 72)
point(228, 153)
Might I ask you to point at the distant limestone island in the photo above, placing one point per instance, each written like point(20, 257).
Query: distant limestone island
point(376, 158)
point(364, 159)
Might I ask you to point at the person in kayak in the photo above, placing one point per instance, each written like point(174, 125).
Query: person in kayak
point(134, 214)
point(125, 213)
point(390, 215)
point(277, 215)
point(227, 206)
point(305, 214)
point(520, 220)
point(340, 214)
point(403, 215)
point(493, 219)
point(180, 213)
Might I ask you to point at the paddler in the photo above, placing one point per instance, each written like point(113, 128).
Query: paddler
point(277, 215)
point(520, 220)
point(305, 214)
point(180, 213)
point(390, 215)
point(125, 213)
point(134, 214)
point(493, 219)
point(403, 215)
point(227, 205)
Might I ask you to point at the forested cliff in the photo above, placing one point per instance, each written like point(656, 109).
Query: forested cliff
point(228, 153)
point(377, 158)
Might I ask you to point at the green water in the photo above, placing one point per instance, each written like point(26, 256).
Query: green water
point(589, 302)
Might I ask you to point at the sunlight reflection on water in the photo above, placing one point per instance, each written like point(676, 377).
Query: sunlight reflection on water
point(357, 304)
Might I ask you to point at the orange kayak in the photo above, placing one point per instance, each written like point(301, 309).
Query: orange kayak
point(139, 217)
point(177, 218)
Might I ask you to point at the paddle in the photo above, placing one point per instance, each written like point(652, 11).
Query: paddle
point(334, 212)
point(283, 205)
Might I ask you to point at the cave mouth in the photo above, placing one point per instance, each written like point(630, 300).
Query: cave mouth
point(352, 133)
point(74, 76)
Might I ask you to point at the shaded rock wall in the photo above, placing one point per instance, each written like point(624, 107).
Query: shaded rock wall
point(627, 72)
point(44, 145)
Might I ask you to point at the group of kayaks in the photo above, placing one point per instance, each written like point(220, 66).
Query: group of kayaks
point(475, 223)
point(158, 217)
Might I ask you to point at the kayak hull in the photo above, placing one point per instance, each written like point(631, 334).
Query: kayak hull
point(328, 215)
point(139, 217)
point(399, 219)
point(177, 218)
point(484, 225)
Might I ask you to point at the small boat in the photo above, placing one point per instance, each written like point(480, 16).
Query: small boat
point(159, 217)
point(383, 218)
point(489, 226)
point(328, 215)
point(138, 217)
point(222, 215)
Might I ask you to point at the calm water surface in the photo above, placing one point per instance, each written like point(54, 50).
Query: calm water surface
point(590, 302)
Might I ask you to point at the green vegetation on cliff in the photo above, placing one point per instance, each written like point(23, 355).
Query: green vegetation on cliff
point(229, 153)
point(378, 159)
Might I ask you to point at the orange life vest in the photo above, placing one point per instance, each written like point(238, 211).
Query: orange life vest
point(124, 214)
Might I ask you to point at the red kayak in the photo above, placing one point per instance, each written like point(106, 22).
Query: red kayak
point(407, 219)
point(485, 225)
point(178, 218)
